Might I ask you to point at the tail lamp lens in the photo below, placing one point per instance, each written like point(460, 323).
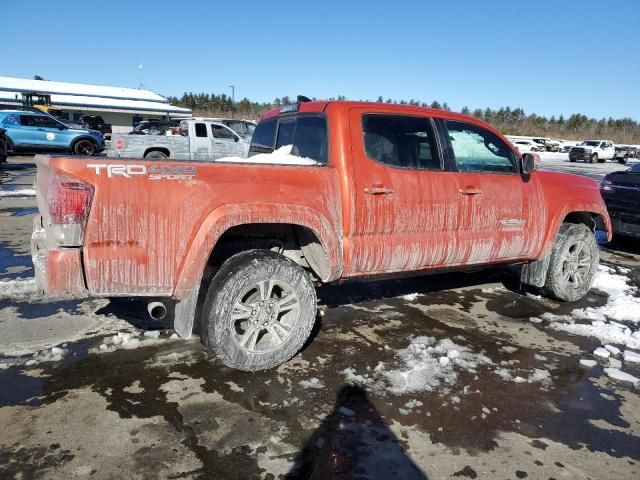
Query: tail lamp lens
point(69, 206)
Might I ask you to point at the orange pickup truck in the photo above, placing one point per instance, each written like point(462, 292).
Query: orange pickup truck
point(236, 246)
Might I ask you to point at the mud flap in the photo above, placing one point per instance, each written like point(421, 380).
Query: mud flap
point(185, 313)
point(535, 273)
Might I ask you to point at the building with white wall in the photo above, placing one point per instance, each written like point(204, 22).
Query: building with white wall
point(121, 107)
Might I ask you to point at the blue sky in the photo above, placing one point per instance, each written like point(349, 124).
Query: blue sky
point(548, 57)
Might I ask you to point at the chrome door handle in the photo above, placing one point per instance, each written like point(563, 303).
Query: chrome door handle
point(377, 190)
point(470, 191)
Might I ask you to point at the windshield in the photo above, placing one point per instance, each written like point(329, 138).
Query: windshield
point(590, 143)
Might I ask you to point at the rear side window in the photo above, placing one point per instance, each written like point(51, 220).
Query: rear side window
point(479, 150)
point(201, 130)
point(307, 135)
point(263, 137)
point(401, 141)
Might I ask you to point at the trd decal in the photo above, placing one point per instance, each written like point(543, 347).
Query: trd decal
point(155, 172)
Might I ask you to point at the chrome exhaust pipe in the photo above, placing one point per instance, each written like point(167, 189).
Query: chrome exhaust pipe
point(157, 310)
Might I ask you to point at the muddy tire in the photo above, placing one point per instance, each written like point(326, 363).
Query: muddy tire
point(622, 161)
point(84, 147)
point(259, 310)
point(573, 264)
point(156, 155)
point(594, 157)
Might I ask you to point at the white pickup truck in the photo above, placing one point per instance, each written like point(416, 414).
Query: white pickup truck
point(206, 140)
point(593, 151)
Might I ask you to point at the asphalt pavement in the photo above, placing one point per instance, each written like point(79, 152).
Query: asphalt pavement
point(431, 377)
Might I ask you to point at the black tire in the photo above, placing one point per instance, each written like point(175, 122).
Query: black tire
point(84, 147)
point(623, 161)
point(594, 157)
point(260, 282)
point(572, 160)
point(156, 155)
point(3, 151)
point(573, 264)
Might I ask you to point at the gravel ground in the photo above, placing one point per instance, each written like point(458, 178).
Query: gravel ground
point(446, 376)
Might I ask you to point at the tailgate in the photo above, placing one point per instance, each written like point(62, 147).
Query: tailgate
point(42, 186)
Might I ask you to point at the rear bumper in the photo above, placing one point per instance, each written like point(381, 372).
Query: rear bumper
point(57, 272)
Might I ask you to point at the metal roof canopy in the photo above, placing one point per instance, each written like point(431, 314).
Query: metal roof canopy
point(24, 85)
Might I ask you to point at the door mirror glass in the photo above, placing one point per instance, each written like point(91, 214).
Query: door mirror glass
point(528, 163)
point(236, 138)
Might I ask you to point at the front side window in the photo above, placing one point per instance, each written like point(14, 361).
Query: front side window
point(479, 150)
point(201, 130)
point(401, 141)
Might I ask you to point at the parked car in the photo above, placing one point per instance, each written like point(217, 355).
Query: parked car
point(3, 145)
point(621, 193)
point(244, 128)
point(625, 152)
point(34, 131)
point(199, 140)
point(383, 188)
point(96, 122)
point(154, 127)
point(528, 146)
point(565, 147)
point(592, 151)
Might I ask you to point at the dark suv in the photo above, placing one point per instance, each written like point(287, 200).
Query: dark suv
point(95, 122)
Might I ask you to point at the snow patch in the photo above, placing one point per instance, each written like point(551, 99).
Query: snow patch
point(312, 383)
point(630, 356)
point(23, 192)
point(281, 156)
point(19, 287)
point(617, 374)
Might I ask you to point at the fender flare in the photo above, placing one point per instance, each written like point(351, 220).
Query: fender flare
point(223, 218)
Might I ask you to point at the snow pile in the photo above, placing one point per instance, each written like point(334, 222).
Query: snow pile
point(18, 287)
point(53, 354)
point(131, 341)
point(618, 374)
point(281, 156)
point(630, 356)
point(23, 192)
point(410, 297)
point(428, 365)
point(622, 306)
point(312, 383)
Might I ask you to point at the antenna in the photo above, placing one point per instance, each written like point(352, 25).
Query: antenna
point(140, 84)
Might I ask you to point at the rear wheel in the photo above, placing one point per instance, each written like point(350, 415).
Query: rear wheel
point(623, 160)
point(84, 147)
point(573, 264)
point(156, 155)
point(259, 311)
point(594, 157)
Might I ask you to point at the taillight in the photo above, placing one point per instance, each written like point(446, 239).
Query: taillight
point(69, 205)
point(120, 144)
point(607, 186)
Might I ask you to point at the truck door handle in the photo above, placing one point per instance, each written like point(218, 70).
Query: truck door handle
point(470, 191)
point(377, 190)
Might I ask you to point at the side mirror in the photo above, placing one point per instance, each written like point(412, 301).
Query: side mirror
point(61, 127)
point(528, 163)
point(236, 138)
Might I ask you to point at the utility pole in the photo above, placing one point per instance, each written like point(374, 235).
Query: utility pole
point(233, 99)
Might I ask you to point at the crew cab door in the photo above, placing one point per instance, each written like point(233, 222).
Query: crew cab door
point(200, 141)
point(503, 211)
point(48, 132)
point(608, 150)
point(405, 197)
point(226, 143)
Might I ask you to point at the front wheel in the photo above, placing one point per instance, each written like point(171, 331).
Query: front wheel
point(573, 264)
point(594, 157)
point(84, 147)
point(259, 310)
